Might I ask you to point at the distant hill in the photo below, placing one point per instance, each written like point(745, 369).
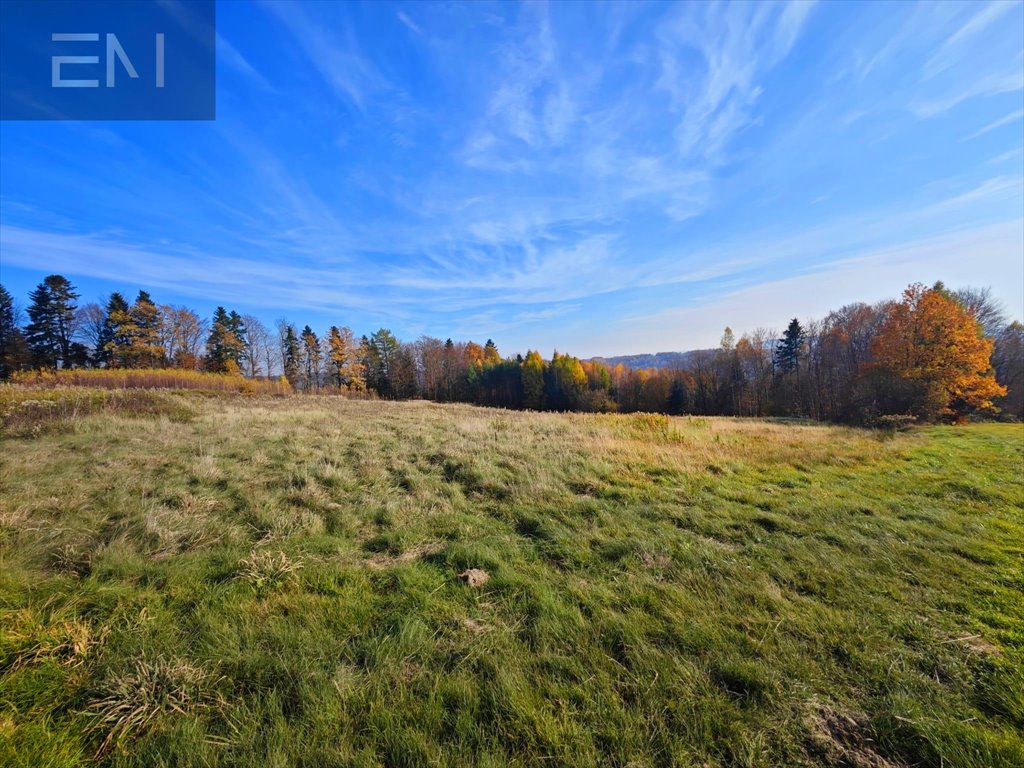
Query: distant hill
point(655, 360)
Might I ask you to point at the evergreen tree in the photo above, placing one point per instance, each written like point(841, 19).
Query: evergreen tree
point(113, 341)
point(51, 322)
point(146, 330)
point(491, 356)
point(225, 346)
point(789, 348)
point(13, 350)
point(311, 358)
point(382, 348)
point(291, 354)
point(677, 400)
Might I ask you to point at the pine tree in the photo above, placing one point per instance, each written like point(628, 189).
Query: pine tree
point(51, 322)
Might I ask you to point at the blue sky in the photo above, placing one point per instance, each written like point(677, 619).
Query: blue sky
point(604, 179)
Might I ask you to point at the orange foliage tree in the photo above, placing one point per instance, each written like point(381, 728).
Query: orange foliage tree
point(932, 343)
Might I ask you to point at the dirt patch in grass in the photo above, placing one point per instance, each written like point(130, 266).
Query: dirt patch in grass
point(475, 577)
point(844, 739)
point(414, 553)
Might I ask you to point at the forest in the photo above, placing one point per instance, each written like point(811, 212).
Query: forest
point(933, 354)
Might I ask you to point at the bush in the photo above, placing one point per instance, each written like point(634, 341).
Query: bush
point(152, 378)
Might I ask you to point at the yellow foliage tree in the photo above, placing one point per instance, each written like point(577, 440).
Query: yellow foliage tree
point(930, 340)
point(346, 369)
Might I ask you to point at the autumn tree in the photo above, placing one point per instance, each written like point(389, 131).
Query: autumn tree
point(346, 370)
point(491, 356)
point(258, 346)
point(431, 356)
point(51, 315)
point(533, 381)
point(183, 336)
point(985, 308)
point(728, 375)
point(936, 348)
point(754, 351)
point(402, 374)
point(144, 330)
point(566, 383)
point(90, 319)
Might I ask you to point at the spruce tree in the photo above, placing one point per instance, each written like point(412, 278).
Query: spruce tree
point(225, 346)
point(146, 328)
point(112, 341)
point(788, 350)
point(51, 322)
point(311, 358)
point(291, 355)
point(491, 356)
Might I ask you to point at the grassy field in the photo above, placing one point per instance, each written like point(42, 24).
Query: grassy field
point(230, 581)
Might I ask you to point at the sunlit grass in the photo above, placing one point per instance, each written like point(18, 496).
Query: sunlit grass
point(286, 581)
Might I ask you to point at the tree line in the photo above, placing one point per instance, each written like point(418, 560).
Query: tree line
point(933, 354)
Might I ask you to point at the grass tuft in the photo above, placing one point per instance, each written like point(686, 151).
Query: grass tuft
point(130, 704)
point(267, 571)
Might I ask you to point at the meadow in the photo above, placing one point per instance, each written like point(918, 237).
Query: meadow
point(222, 580)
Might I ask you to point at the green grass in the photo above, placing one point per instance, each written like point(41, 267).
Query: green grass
point(261, 582)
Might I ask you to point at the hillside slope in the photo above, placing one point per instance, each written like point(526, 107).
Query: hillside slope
point(319, 582)
point(670, 360)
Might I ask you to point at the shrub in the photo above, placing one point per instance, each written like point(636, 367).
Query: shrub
point(30, 412)
point(152, 378)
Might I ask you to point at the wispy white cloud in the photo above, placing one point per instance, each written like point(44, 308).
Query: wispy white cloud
point(872, 275)
point(1005, 120)
point(954, 48)
point(499, 167)
point(1002, 158)
point(333, 50)
point(228, 54)
point(989, 85)
point(404, 18)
